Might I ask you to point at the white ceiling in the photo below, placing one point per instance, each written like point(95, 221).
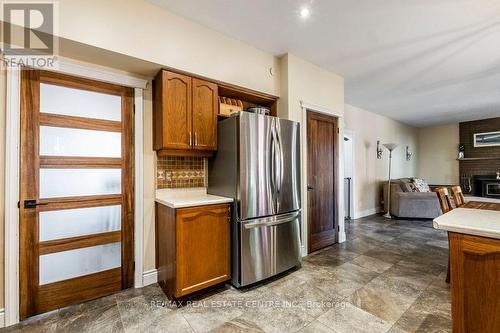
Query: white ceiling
point(423, 62)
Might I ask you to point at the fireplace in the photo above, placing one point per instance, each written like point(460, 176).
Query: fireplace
point(487, 186)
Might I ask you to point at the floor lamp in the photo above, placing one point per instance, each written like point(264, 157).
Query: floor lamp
point(390, 147)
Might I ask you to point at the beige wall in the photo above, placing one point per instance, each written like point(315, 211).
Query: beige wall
point(142, 30)
point(369, 171)
point(303, 81)
point(438, 150)
point(3, 87)
point(149, 157)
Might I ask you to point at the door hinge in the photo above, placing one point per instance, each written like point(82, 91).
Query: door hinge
point(19, 204)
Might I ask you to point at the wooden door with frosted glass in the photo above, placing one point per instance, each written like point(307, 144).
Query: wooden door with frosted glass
point(76, 190)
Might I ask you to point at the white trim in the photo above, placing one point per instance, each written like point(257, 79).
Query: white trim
point(11, 312)
point(149, 277)
point(367, 212)
point(2, 317)
point(139, 186)
point(320, 109)
point(340, 185)
point(12, 173)
point(90, 71)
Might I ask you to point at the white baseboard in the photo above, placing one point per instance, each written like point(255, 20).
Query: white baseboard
point(149, 277)
point(342, 236)
point(368, 212)
point(2, 317)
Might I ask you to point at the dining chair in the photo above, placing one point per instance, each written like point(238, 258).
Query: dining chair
point(444, 199)
point(458, 195)
point(446, 206)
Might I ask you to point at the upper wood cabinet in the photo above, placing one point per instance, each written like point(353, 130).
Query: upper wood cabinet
point(185, 114)
point(205, 109)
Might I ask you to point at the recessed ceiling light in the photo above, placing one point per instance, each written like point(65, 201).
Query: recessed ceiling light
point(305, 12)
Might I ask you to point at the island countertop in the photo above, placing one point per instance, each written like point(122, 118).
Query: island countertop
point(477, 222)
point(188, 197)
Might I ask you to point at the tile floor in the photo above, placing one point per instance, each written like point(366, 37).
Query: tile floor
point(388, 277)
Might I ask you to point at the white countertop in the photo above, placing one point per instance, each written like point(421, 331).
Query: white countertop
point(480, 199)
point(478, 222)
point(188, 197)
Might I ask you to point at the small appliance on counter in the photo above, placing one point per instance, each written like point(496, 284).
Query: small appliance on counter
point(258, 165)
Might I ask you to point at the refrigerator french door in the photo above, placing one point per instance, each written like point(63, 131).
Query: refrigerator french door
point(258, 164)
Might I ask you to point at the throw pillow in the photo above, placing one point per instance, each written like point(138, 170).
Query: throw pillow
point(421, 185)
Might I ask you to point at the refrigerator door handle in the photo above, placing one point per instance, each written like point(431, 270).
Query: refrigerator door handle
point(281, 168)
point(274, 174)
point(271, 221)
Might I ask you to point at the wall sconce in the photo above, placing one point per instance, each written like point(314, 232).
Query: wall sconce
point(379, 151)
point(408, 153)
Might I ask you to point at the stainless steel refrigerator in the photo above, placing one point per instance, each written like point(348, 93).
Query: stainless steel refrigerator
point(258, 164)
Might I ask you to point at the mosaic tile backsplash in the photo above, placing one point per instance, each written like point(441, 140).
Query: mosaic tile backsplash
point(179, 172)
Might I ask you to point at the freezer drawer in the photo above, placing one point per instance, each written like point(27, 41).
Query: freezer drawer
point(268, 246)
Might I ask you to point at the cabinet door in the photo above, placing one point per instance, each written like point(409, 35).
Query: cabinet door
point(176, 111)
point(475, 281)
point(205, 109)
point(202, 247)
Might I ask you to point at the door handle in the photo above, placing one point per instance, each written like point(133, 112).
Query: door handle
point(310, 188)
point(190, 139)
point(33, 204)
point(271, 221)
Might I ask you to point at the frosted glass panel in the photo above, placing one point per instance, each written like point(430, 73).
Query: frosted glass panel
point(79, 182)
point(59, 141)
point(79, 222)
point(79, 103)
point(70, 264)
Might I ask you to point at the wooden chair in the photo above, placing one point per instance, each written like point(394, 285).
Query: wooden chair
point(446, 206)
point(458, 195)
point(444, 199)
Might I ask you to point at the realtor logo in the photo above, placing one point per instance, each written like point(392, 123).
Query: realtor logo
point(28, 30)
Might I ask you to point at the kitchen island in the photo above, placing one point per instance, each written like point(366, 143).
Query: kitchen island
point(474, 239)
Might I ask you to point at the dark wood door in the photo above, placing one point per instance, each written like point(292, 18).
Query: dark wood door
point(322, 163)
point(76, 190)
point(203, 251)
point(205, 109)
point(173, 127)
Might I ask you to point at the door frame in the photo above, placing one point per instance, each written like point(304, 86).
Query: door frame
point(340, 172)
point(12, 171)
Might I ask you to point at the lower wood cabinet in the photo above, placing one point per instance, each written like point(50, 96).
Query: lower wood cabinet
point(475, 283)
point(192, 248)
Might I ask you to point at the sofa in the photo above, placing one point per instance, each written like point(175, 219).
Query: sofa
point(412, 198)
